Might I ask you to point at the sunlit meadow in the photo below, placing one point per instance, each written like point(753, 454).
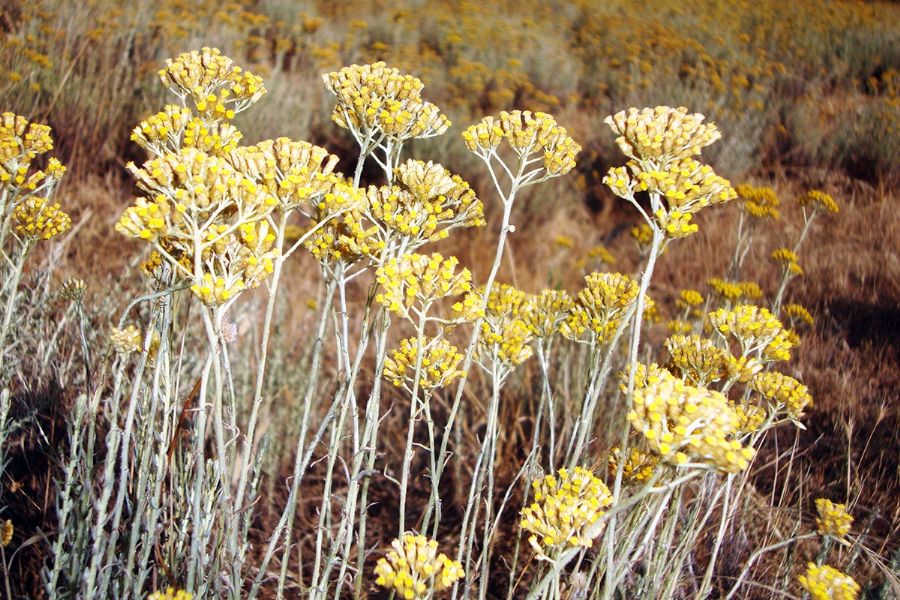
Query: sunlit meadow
point(449, 300)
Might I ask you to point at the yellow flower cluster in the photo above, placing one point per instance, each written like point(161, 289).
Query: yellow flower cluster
point(755, 329)
point(545, 313)
point(526, 133)
point(788, 259)
point(697, 360)
point(419, 278)
point(660, 143)
point(759, 202)
point(217, 87)
point(37, 218)
point(750, 416)
point(799, 313)
point(732, 291)
point(827, 583)
point(819, 200)
point(176, 127)
point(566, 511)
point(505, 337)
point(661, 134)
point(171, 594)
point(638, 467)
point(6, 533)
point(293, 172)
point(125, 341)
point(833, 519)
point(688, 299)
point(600, 306)
point(783, 391)
point(20, 143)
point(439, 364)
point(207, 219)
point(415, 569)
point(376, 102)
point(429, 203)
point(686, 424)
point(347, 235)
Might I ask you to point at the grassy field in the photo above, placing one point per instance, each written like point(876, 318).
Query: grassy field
point(213, 382)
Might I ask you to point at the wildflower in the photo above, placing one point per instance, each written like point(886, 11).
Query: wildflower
point(546, 312)
point(679, 327)
point(602, 255)
point(697, 360)
point(296, 173)
point(788, 259)
point(643, 235)
point(750, 416)
point(125, 341)
point(171, 594)
point(73, 289)
point(564, 241)
point(415, 569)
point(755, 329)
point(37, 218)
point(6, 533)
point(833, 519)
point(688, 299)
point(346, 236)
point(798, 312)
point(686, 424)
point(638, 467)
point(505, 336)
point(661, 133)
point(427, 205)
point(422, 279)
point(827, 583)
point(819, 200)
point(566, 511)
point(600, 306)
point(783, 391)
point(759, 202)
point(438, 364)
point(217, 87)
point(526, 133)
point(376, 101)
point(732, 291)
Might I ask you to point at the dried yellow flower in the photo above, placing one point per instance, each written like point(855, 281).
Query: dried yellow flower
point(784, 392)
point(833, 519)
point(827, 583)
point(171, 594)
point(661, 133)
point(37, 218)
point(438, 368)
point(759, 202)
point(819, 200)
point(566, 511)
point(415, 569)
point(638, 467)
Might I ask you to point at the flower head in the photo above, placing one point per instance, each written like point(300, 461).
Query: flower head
point(376, 101)
point(686, 424)
point(661, 133)
point(833, 519)
point(819, 201)
point(755, 329)
point(217, 88)
point(788, 260)
point(171, 594)
point(696, 359)
point(545, 313)
point(783, 391)
point(799, 314)
point(419, 279)
point(37, 218)
point(415, 569)
point(638, 467)
point(526, 133)
point(827, 583)
point(566, 511)
point(439, 363)
point(759, 202)
point(600, 306)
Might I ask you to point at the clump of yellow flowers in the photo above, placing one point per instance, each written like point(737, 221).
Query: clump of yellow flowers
point(827, 583)
point(833, 519)
point(415, 569)
point(171, 594)
point(783, 391)
point(755, 329)
point(638, 467)
point(660, 143)
point(687, 425)
point(566, 511)
point(759, 202)
point(418, 279)
point(600, 306)
point(819, 201)
point(439, 364)
point(25, 192)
